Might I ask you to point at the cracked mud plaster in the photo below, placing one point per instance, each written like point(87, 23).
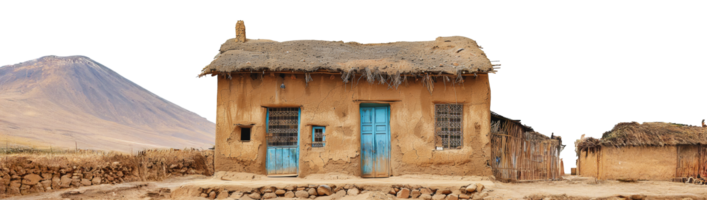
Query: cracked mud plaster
point(335, 105)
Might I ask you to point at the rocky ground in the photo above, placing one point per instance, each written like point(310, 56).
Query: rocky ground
point(359, 189)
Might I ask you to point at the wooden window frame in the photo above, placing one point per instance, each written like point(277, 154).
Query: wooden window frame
point(315, 143)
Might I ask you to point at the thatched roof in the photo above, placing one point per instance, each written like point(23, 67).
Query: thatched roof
point(648, 134)
point(527, 132)
point(654, 134)
point(445, 55)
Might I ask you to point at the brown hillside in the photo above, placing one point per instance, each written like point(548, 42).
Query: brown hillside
point(56, 101)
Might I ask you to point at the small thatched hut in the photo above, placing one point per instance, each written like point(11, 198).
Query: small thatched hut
point(298, 108)
point(648, 151)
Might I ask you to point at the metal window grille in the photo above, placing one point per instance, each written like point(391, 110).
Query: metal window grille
point(318, 138)
point(448, 124)
point(282, 126)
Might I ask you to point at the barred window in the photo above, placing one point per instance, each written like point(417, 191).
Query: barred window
point(318, 136)
point(448, 125)
point(282, 126)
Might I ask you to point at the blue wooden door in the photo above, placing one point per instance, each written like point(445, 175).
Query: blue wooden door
point(375, 140)
point(282, 141)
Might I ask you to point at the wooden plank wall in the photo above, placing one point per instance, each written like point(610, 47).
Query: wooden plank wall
point(523, 156)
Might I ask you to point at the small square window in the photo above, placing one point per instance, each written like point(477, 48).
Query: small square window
point(448, 125)
point(318, 136)
point(245, 134)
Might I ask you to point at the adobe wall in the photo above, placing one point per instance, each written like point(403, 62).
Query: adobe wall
point(588, 163)
point(327, 101)
point(641, 163)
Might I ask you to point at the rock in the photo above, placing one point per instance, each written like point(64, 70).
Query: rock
point(269, 195)
point(120, 174)
point(267, 190)
point(212, 195)
point(47, 184)
point(352, 191)
point(223, 194)
point(31, 179)
point(312, 192)
point(236, 195)
point(347, 186)
point(323, 190)
point(480, 195)
point(471, 188)
point(65, 181)
point(96, 181)
point(452, 197)
point(301, 188)
point(14, 187)
point(46, 176)
point(392, 191)
point(444, 191)
point(425, 197)
point(340, 193)
point(414, 194)
point(403, 193)
point(438, 197)
point(85, 182)
point(301, 194)
point(479, 187)
point(254, 195)
point(464, 196)
point(425, 191)
point(289, 194)
point(638, 197)
point(204, 195)
point(280, 192)
point(289, 187)
point(39, 187)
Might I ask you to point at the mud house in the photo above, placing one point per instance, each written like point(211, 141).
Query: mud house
point(521, 154)
point(648, 151)
point(370, 110)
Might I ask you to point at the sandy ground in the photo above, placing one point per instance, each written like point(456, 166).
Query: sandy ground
point(571, 188)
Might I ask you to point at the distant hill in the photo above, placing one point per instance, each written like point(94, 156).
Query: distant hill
point(63, 101)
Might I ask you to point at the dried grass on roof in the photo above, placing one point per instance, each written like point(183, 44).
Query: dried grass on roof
point(654, 134)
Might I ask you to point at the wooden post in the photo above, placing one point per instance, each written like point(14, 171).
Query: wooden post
point(240, 31)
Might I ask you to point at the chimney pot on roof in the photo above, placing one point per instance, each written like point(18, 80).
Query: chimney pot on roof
point(240, 31)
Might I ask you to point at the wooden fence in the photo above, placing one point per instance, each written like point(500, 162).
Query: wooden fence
point(520, 154)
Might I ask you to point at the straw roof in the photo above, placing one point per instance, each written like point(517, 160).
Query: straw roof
point(445, 55)
point(648, 134)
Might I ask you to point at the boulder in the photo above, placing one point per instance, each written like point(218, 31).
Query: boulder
point(65, 181)
point(471, 188)
point(312, 192)
point(96, 181)
point(404, 193)
point(289, 187)
point(254, 195)
point(340, 193)
point(269, 195)
point(267, 190)
point(425, 197)
point(352, 191)
point(323, 190)
point(31, 179)
point(425, 191)
point(289, 194)
point(212, 195)
point(392, 191)
point(85, 182)
point(301, 194)
point(280, 192)
point(415, 193)
point(444, 191)
point(438, 197)
point(479, 187)
point(452, 197)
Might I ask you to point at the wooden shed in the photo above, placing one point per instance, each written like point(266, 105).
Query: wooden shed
point(305, 107)
point(521, 154)
point(648, 151)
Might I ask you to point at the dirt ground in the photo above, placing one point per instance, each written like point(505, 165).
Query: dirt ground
point(571, 188)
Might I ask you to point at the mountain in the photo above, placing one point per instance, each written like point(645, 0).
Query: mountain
point(75, 101)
